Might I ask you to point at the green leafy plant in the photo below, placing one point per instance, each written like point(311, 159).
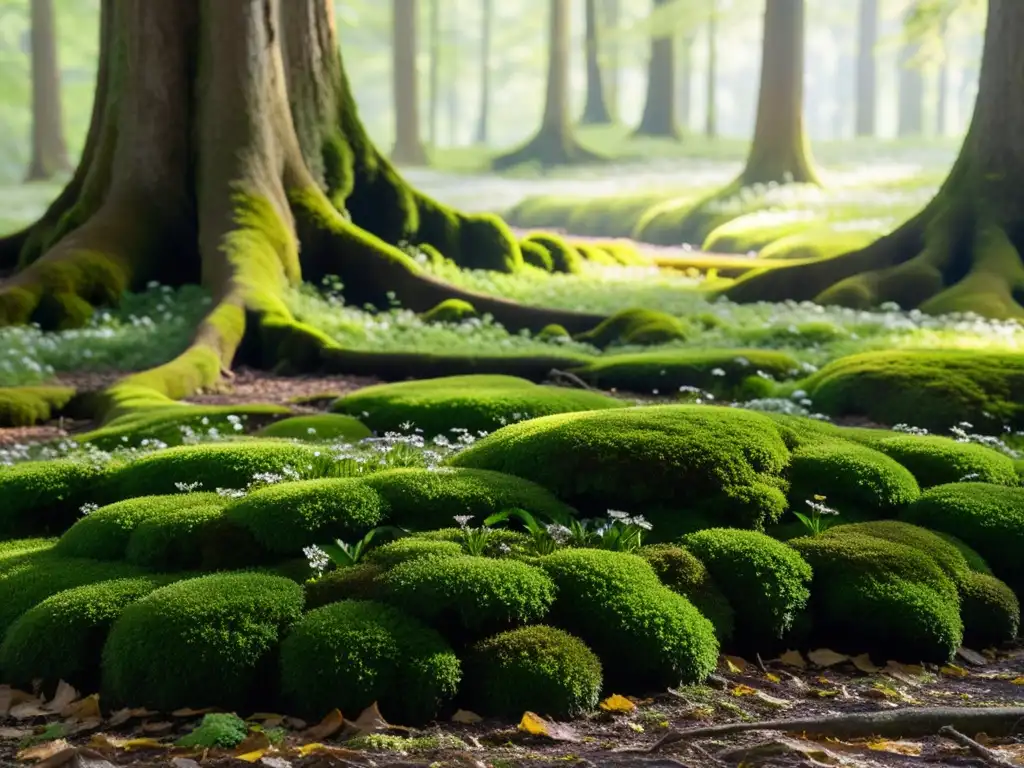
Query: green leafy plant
point(821, 517)
point(621, 532)
point(544, 538)
point(341, 554)
point(476, 539)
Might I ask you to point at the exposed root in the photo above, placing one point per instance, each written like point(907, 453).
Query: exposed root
point(989, 756)
point(548, 151)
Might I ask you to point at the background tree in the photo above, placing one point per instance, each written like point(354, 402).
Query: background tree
point(610, 72)
point(685, 79)
point(595, 108)
point(867, 71)
point(49, 152)
point(434, 86)
point(484, 119)
point(910, 91)
point(711, 88)
point(408, 148)
point(659, 116)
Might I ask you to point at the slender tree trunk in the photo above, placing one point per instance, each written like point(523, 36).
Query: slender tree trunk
point(483, 121)
point(434, 106)
point(659, 116)
point(611, 70)
point(409, 148)
point(965, 250)
point(942, 85)
point(911, 94)
point(453, 82)
point(867, 38)
point(49, 152)
point(711, 111)
point(780, 151)
point(595, 110)
point(685, 97)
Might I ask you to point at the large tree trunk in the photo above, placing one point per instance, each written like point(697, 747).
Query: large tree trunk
point(49, 152)
point(405, 50)
point(942, 84)
point(659, 116)
point(780, 151)
point(226, 148)
point(434, 88)
point(867, 38)
point(484, 118)
point(595, 109)
point(612, 13)
point(685, 97)
point(711, 91)
point(910, 113)
point(555, 142)
point(964, 251)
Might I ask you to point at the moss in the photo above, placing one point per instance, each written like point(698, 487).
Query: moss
point(636, 327)
point(423, 499)
point(564, 258)
point(817, 243)
point(217, 729)
point(875, 596)
point(318, 427)
point(104, 533)
point(723, 373)
point(411, 548)
point(536, 255)
point(474, 403)
point(681, 571)
point(212, 466)
point(45, 497)
point(450, 311)
point(173, 539)
point(354, 653)
point(552, 333)
point(803, 336)
point(469, 596)
point(990, 611)
point(764, 580)
point(406, 745)
point(25, 406)
point(856, 480)
point(931, 389)
point(501, 542)
point(536, 668)
point(939, 460)
point(680, 465)
point(988, 518)
point(283, 518)
point(61, 638)
point(751, 232)
point(644, 633)
point(356, 582)
point(201, 642)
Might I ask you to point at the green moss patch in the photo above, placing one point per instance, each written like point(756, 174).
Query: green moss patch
point(449, 311)
point(174, 539)
point(356, 582)
point(25, 406)
point(564, 258)
point(474, 403)
point(990, 611)
point(317, 428)
point(641, 327)
point(939, 460)
point(411, 548)
point(681, 571)
point(45, 497)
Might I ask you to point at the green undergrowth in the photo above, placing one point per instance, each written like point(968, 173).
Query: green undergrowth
point(27, 406)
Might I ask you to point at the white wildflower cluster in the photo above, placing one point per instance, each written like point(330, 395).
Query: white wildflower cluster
point(820, 507)
point(188, 487)
point(624, 518)
point(558, 533)
point(88, 508)
point(318, 559)
point(463, 521)
point(960, 432)
point(230, 493)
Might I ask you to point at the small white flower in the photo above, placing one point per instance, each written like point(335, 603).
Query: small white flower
point(463, 520)
point(616, 514)
point(641, 522)
point(717, 372)
point(188, 487)
point(88, 508)
point(318, 559)
point(559, 533)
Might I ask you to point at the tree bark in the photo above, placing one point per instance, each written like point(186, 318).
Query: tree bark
point(780, 151)
point(434, 99)
point(942, 84)
point(408, 148)
point(49, 152)
point(685, 97)
point(484, 118)
point(595, 109)
point(910, 111)
point(963, 251)
point(452, 36)
point(612, 13)
point(659, 116)
point(867, 39)
point(711, 111)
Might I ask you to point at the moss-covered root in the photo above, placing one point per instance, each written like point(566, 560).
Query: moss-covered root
point(548, 149)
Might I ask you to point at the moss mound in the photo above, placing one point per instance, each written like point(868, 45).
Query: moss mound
point(937, 460)
point(62, 637)
point(553, 332)
point(645, 633)
point(449, 311)
point(765, 581)
point(104, 533)
point(988, 518)
point(319, 427)
point(475, 403)
point(536, 668)
point(855, 479)
point(286, 517)
point(207, 641)
point(536, 255)
point(501, 542)
point(723, 373)
point(721, 465)
point(212, 466)
point(990, 611)
point(931, 389)
point(354, 653)
point(173, 540)
point(45, 497)
point(424, 499)
point(681, 571)
point(636, 327)
point(564, 258)
point(25, 406)
point(469, 596)
point(356, 582)
point(875, 596)
point(411, 548)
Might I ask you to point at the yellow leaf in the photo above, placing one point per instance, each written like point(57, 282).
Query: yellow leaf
point(824, 693)
point(863, 663)
point(819, 497)
point(793, 659)
point(952, 670)
point(897, 747)
point(144, 743)
point(308, 749)
point(823, 657)
point(772, 678)
point(251, 757)
point(617, 703)
point(735, 664)
point(255, 746)
point(1018, 681)
point(83, 709)
point(533, 724)
point(743, 690)
point(636, 727)
point(465, 717)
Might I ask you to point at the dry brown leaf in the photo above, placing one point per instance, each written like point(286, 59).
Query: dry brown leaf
point(370, 720)
point(189, 712)
point(83, 709)
point(465, 717)
point(254, 747)
point(10, 697)
point(952, 670)
point(897, 747)
point(159, 728)
point(84, 726)
point(618, 704)
point(28, 710)
point(773, 701)
point(184, 762)
point(62, 698)
point(825, 657)
point(122, 716)
point(326, 728)
point(15, 733)
point(742, 690)
point(734, 664)
point(43, 751)
point(863, 663)
point(793, 659)
point(535, 725)
point(778, 747)
point(971, 657)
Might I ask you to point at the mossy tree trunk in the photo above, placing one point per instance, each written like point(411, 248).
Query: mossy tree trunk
point(49, 152)
point(964, 251)
point(595, 108)
point(867, 71)
point(555, 142)
point(226, 149)
point(711, 89)
point(408, 149)
point(780, 152)
point(484, 117)
point(659, 115)
point(910, 92)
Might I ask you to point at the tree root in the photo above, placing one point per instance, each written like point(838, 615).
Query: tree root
point(989, 756)
point(901, 723)
point(549, 151)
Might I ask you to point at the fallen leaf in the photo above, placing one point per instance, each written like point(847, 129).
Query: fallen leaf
point(27, 710)
point(465, 717)
point(104, 741)
point(824, 693)
point(635, 727)
point(1018, 681)
point(824, 657)
point(62, 698)
point(10, 697)
point(370, 720)
point(905, 673)
point(780, 747)
point(743, 690)
point(161, 728)
point(952, 670)
point(15, 733)
point(122, 716)
point(296, 724)
point(326, 728)
point(535, 725)
point(308, 749)
point(184, 762)
point(44, 751)
point(189, 712)
point(772, 678)
point(897, 747)
point(793, 659)
point(863, 663)
point(254, 747)
point(84, 726)
point(735, 664)
point(272, 761)
point(773, 701)
point(83, 709)
point(617, 703)
point(971, 657)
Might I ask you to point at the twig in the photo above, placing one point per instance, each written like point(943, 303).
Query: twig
point(564, 377)
point(990, 756)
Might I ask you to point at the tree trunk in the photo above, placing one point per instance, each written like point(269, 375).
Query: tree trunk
point(452, 39)
point(942, 85)
point(711, 111)
point(611, 71)
point(484, 119)
point(965, 250)
point(49, 152)
point(780, 151)
point(405, 49)
point(555, 142)
point(867, 38)
point(434, 100)
point(659, 117)
point(595, 110)
point(911, 94)
point(246, 167)
point(685, 97)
